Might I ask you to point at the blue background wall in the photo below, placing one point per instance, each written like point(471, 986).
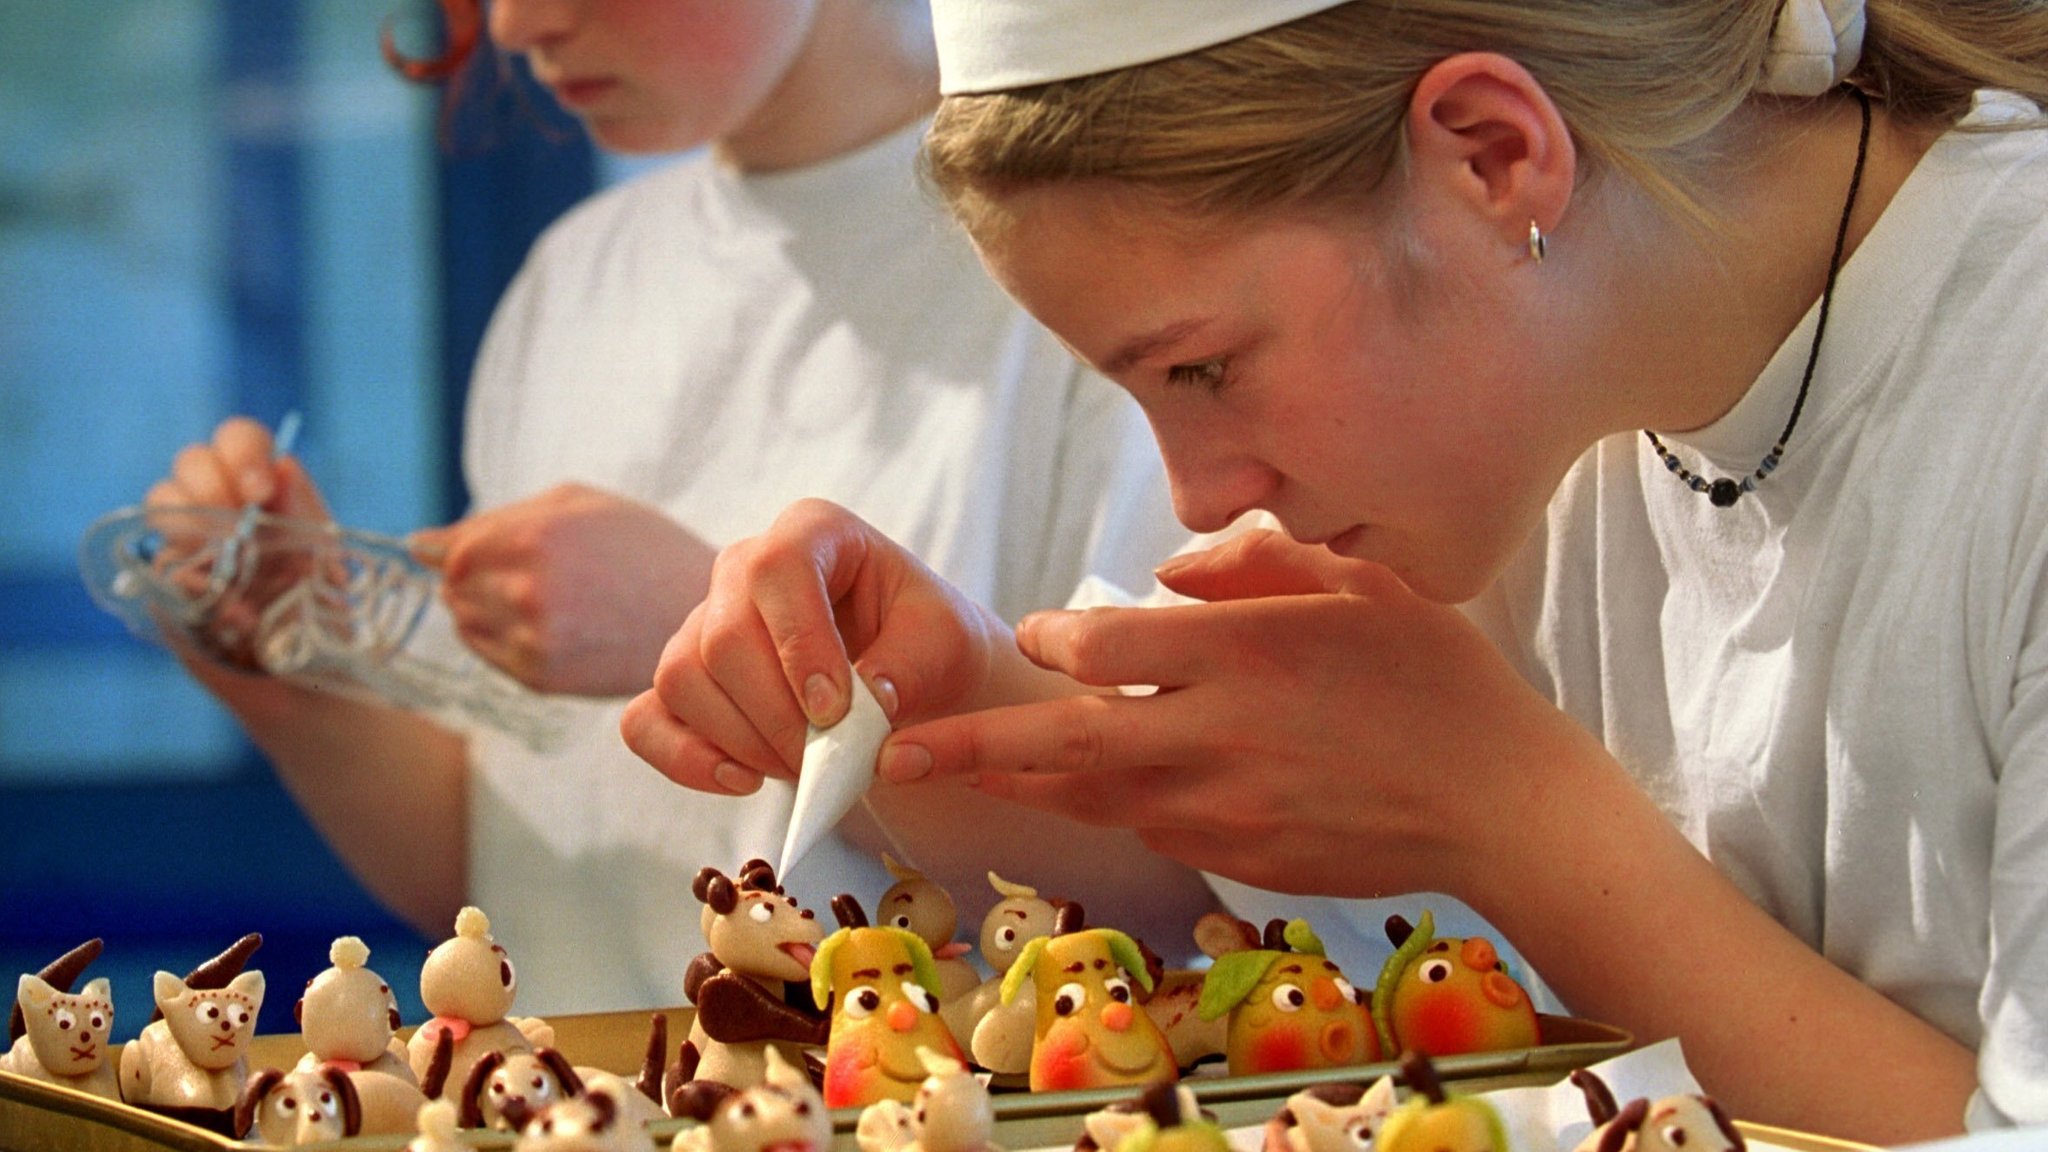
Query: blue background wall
point(211, 207)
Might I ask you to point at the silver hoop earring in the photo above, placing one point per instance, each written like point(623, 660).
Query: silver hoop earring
point(1539, 244)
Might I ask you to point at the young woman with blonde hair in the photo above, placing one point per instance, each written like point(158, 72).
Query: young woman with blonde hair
point(1653, 396)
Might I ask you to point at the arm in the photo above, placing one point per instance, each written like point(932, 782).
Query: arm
point(385, 788)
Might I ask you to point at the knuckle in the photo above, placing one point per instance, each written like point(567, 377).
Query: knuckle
point(1078, 745)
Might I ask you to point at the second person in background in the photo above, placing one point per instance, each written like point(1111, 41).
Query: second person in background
point(782, 314)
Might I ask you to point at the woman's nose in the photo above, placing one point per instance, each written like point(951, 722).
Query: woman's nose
point(524, 25)
point(1208, 496)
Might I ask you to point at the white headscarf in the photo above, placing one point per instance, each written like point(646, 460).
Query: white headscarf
point(991, 45)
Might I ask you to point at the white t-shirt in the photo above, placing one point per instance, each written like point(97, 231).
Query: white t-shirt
point(1838, 687)
point(720, 345)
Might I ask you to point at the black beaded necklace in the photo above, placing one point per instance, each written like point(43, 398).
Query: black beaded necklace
point(1726, 491)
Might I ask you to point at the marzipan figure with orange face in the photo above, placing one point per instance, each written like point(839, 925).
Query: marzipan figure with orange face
point(1091, 1032)
point(884, 992)
point(1289, 1005)
point(1445, 996)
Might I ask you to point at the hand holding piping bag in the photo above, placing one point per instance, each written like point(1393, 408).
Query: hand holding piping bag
point(768, 654)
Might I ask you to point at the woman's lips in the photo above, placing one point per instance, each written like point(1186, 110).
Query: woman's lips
point(583, 93)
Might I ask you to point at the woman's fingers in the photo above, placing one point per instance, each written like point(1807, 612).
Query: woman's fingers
point(1072, 735)
point(679, 752)
point(1265, 563)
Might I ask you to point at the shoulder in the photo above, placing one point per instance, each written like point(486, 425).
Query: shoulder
point(641, 208)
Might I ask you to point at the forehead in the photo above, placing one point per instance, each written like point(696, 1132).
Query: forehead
point(1111, 271)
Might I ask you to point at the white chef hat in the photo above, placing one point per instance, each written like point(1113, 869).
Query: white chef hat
point(989, 45)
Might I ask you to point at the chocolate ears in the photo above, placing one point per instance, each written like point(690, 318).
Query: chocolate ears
point(60, 974)
point(262, 1083)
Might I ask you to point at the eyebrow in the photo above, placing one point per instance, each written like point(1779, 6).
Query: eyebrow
point(1139, 347)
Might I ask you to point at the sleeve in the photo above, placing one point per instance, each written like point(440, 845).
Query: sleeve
point(2012, 1061)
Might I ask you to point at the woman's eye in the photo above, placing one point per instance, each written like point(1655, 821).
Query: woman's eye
point(1119, 990)
point(1289, 998)
point(863, 1002)
point(1345, 990)
point(1436, 971)
point(1210, 374)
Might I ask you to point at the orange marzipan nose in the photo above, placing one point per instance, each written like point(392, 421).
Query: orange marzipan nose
point(902, 1016)
point(1324, 993)
point(1478, 953)
point(1116, 1016)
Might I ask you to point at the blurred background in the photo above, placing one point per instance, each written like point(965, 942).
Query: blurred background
point(211, 207)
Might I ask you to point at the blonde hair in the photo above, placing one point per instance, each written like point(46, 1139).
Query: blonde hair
point(1311, 112)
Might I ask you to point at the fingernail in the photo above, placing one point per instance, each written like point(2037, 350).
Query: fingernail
point(819, 697)
point(736, 779)
point(885, 694)
point(1172, 563)
point(256, 486)
point(902, 763)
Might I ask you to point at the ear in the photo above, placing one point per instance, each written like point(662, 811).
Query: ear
point(97, 988)
point(33, 993)
point(1482, 131)
point(249, 984)
point(168, 988)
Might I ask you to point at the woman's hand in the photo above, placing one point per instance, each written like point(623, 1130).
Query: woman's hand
point(235, 470)
point(767, 652)
point(573, 590)
point(1319, 728)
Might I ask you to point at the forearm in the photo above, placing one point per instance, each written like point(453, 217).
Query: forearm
point(387, 789)
point(1631, 925)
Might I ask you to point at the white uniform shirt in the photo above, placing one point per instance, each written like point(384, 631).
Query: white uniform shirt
point(720, 345)
point(1838, 688)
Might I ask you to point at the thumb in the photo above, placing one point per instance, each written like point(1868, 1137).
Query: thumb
point(297, 495)
point(430, 546)
point(1265, 563)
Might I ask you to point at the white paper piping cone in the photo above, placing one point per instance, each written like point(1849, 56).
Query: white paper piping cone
point(838, 767)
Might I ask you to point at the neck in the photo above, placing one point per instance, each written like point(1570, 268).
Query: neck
point(866, 69)
point(1723, 306)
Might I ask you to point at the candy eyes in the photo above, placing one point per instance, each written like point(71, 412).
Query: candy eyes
point(863, 1002)
point(1345, 990)
point(1289, 998)
point(65, 1020)
point(288, 1105)
point(505, 974)
point(1435, 971)
point(1674, 1136)
point(1361, 1133)
point(1069, 999)
point(1006, 938)
point(210, 1013)
point(241, 1017)
point(918, 995)
point(760, 913)
point(1118, 988)
point(900, 920)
